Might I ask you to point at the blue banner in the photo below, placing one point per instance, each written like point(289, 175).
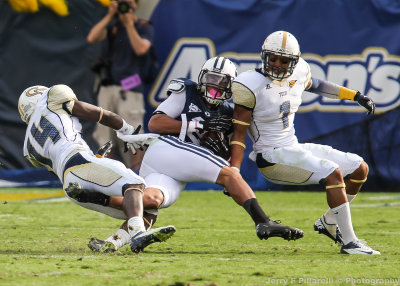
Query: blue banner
point(351, 43)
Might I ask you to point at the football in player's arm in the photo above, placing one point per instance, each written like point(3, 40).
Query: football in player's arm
point(193, 124)
point(266, 101)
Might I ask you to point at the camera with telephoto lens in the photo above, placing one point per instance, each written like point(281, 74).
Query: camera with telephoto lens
point(124, 6)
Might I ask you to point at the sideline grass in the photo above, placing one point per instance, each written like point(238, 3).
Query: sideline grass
point(44, 243)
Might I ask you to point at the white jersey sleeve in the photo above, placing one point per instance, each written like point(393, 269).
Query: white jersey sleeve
point(246, 86)
point(173, 106)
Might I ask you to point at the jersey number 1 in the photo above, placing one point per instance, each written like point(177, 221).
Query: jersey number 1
point(285, 110)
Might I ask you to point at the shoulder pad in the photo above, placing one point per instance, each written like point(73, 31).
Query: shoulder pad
point(176, 86)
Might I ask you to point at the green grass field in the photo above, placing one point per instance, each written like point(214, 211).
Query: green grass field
point(44, 243)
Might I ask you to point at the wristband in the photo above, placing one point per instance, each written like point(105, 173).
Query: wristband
point(184, 127)
point(346, 93)
point(235, 168)
point(125, 126)
point(101, 115)
point(194, 126)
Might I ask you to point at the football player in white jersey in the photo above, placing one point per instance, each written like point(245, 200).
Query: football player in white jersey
point(266, 101)
point(53, 140)
point(175, 157)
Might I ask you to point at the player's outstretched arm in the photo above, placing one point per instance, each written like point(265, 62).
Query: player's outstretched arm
point(87, 111)
point(335, 91)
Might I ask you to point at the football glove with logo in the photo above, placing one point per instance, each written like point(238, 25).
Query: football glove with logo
point(217, 124)
point(217, 144)
point(128, 129)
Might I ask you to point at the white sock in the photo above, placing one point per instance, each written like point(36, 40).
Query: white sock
point(119, 238)
point(343, 218)
point(135, 224)
point(330, 217)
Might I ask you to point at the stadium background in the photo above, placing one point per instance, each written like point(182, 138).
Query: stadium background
point(353, 43)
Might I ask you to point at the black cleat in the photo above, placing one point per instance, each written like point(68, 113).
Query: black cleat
point(76, 192)
point(274, 229)
point(143, 239)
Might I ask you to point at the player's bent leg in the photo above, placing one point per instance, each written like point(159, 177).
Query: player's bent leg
point(143, 239)
point(241, 192)
point(152, 198)
point(238, 189)
point(76, 192)
point(93, 200)
point(355, 180)
point(335, 189)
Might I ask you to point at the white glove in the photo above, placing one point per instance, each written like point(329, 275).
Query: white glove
point(126, 128)
point(137, 141)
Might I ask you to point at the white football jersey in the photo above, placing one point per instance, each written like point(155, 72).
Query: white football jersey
point(274, 105)
point(53, 134)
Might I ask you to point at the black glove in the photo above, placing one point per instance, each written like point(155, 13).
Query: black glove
point(365, 102)
point(221, 123)
point(218, 146)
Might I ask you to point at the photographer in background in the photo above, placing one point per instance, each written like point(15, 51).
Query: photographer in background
point(129, 45)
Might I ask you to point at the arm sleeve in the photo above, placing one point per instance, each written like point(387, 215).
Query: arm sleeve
point(173, 105)
point(331, 90)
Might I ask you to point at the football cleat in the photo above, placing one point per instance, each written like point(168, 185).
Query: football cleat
point(358, 247)
point(76, 192)
point(275, 229)
point(98, 245)
point(144, 238)
point(330, 230)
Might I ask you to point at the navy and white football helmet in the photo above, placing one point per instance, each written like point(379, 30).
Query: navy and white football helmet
point(215, 80)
